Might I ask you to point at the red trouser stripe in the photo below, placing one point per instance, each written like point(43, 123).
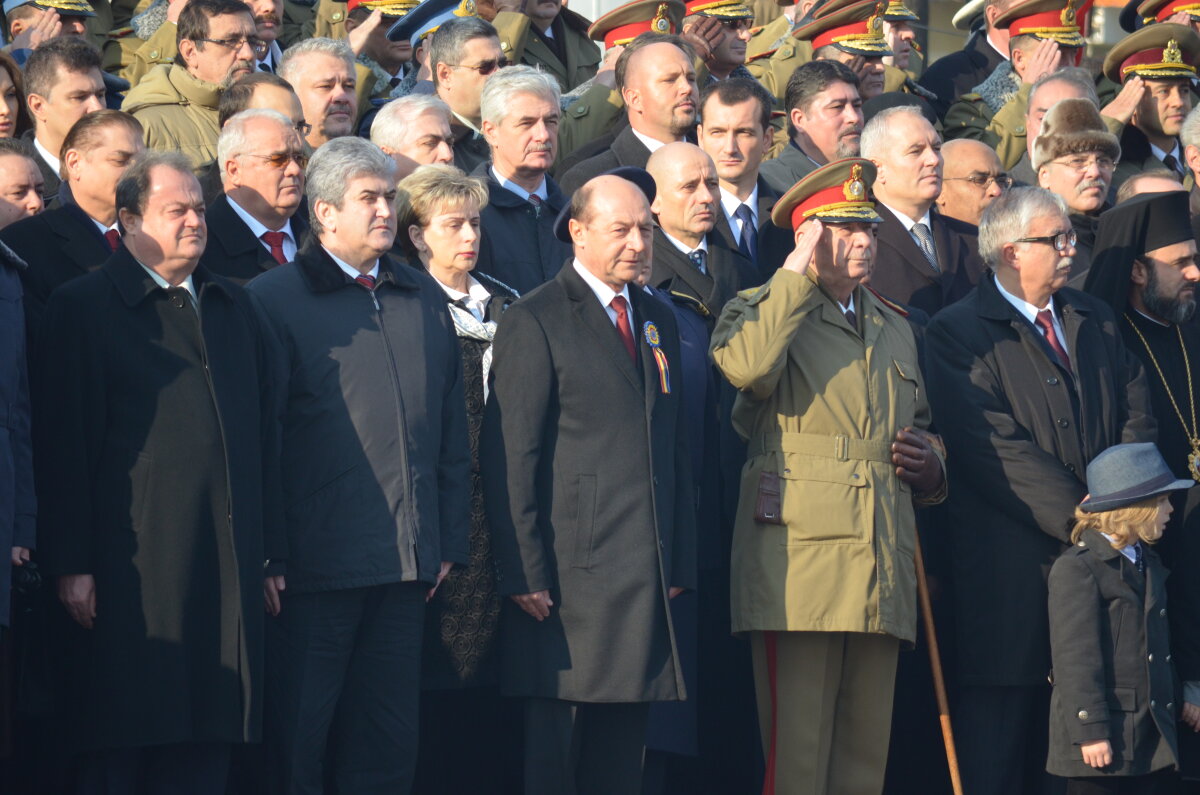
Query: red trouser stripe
point(769, 650)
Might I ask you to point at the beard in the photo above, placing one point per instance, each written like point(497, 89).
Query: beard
point(848, 147)
point(1171, 308)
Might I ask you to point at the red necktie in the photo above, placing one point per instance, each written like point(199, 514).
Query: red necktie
point(114, 238)
point(622, 309)
point(366, 280)
point(275, 241)
point(1046, 323)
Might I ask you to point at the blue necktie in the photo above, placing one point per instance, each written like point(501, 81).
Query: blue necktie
point(748, 239)
point(697, 258)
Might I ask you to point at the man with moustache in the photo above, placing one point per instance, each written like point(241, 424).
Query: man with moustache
point(1145, 269)
point(415, 131)
point(972, 178)
point(657, 82)
point(160, 46)
point(520, 108)
point(376, 474)
point(163, 425)
point(77, 236)
point(383, 63)
point(825, 117)
point(322, 73)
point(833, 407)
point(851, 35)
point(1068, 83)
point(177, 103)
point(1163, 57)
point(1029, 381)
point(1075, 156)
point(589, 493)
point(736, 133)
point(926, 260)
point(254, 226)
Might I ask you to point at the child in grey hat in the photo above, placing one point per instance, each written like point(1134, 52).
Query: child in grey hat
point(1113, 708)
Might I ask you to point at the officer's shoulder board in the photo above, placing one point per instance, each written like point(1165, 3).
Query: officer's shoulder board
point(889, 303)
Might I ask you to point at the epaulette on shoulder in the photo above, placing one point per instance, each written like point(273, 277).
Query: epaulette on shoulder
point(889, 303)
point(759, 29)
point(754, 294)
point(121, 33)
point(761, 55)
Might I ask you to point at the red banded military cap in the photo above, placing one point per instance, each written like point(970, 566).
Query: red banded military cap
point(625, 23)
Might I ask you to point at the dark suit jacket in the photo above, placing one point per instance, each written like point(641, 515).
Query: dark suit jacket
point(588, 490)
point(707, 293)
point(233, 251)
point(1136, 157)
point(953, 75)
point(50, 179)
point(903, 274)
point(774, 244)
point(58, 245)
point(626, 150)
point(785, 170)
point(1021, 430)
point(469, 149)
point(518, 246)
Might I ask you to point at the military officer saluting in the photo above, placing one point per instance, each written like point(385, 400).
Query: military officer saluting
point(832, 405)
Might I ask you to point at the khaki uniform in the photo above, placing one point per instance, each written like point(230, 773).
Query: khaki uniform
point(774, 68)
point(588, 118)
point(299, 22)
point(764, 38)
point(178, 112)
point(330, 19)
point(160, 48)
point(520, 45)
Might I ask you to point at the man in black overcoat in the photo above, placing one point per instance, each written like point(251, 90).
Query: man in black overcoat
point(158, 474)
point(588, 490)
point(1029, 381)
point(259, 222)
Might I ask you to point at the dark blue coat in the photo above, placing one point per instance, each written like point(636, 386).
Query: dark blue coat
point(519, 248)
point(17, 504)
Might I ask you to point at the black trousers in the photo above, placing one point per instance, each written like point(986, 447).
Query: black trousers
point(573, 748)
point(1002, 735)
point(177, 769)
point(1164, 782)
point(347, 691)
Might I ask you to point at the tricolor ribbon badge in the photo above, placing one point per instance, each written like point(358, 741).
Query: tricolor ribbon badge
point(655, 342)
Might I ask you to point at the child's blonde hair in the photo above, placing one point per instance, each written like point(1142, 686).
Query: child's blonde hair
point(1126, 525)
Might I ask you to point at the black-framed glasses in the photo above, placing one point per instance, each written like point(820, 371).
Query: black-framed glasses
point(259, 46)
point(984, 181)
point(484, 67)
point(1060, 240)
point(280, 160)
point(304, 128)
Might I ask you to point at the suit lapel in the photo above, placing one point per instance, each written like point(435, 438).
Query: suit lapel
point(538, 49)
point(594, 318)
point(629, 150)
point(699, 285)
point(236, 238)
point(892, 233)
point(82, 242)
point(644, 306)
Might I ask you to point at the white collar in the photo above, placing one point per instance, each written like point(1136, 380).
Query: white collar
point(1128, 551)
point(1153, 320)
point(466, 123)
point(353, 273)
point(604, 294)
point(188, 284)
point(274, 53)
point(541, 192)
point(256, 227)
point(848, 307)
point(51, 160)
point(103, 229)
point(730, 203)
point(1154, 150)
point(684, 247)
point(909, 223)
point(652, 144)
point(1027, 310)
point(988, 39)
point(475, 298)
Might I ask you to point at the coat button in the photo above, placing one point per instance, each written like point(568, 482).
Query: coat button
point(1162, 613)
point(1149, 658)
point(1083, 714)
point(1168, 658)
point(153, 54)
point(1153, 704)
point(1062, 422)
point(1170, 705)
point(336, 16)
point(1083, 543)
point(1052, 381)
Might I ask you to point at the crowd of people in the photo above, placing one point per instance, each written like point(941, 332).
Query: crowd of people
point(468, 397)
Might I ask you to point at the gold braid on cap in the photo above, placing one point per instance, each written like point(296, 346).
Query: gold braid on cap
point(661, 23)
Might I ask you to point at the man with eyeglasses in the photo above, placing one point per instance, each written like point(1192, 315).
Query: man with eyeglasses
point(177, 103)
point(1075, 155)
point(727, 47)
point(463, 53)
point(971, 179)
point(254, 226)
point(1068, 83)
point(1163, 58)
point(1029, 381)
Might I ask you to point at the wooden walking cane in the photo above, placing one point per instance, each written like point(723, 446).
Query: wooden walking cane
point(935, 663)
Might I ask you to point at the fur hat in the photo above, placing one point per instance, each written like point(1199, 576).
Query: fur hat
point(1070, 127)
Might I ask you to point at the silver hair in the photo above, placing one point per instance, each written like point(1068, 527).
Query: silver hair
point(335, 164)
point(1190, 134)
point(232, 141)
point(1072, 75)
point(447, 42)
point(390, 127)
point(499, 90)
point(876, 140)
point(294, 54)
point(1009, 216)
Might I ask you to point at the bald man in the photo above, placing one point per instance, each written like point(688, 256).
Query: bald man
point(585, 433)
point(1160, 180)
point(972, 178)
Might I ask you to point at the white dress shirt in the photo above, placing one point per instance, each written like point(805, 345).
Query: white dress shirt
point(1177, 151)
point(651, 144)
point(731, 203)
point(541, 192)
point(188, 284)
point(684, 247)
point(105, 229)
point(475, 299)
point(51, 160)
point(605, 294)
point(1029, 312)
point(353, 273)
point(257, 229)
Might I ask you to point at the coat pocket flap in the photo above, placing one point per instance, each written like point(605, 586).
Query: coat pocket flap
point(907, 370)
point(797, 466)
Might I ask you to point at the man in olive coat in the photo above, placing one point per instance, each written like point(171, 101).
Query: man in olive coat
point(588, 488)
point(157, 426)
point(823, 573)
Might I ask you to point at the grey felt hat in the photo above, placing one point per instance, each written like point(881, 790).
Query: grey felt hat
point(1128, 473)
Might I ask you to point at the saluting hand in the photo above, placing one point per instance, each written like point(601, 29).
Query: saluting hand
point(807, 239)
point(916, 463)
point(704, 34)
point(1126, 101)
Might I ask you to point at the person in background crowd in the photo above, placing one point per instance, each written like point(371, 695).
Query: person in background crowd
point(62, 84)
point(925, 259)
point(21, 193)
point(321, 71)
point(521, 114)
point(1189, 137)
point(439, 215)
point(177, 103)
point(852, 35)
point(386, 471)
point(547, 35)
point(1045, 93)
point(77, 236)
point(382, 64)
point(575, 362)
point(1158, 180)
point(415, 131)
point(463, 53)
point(1075, 156)
point(727, 49)
point(826, 121)
point(1029, 381)
point(254, 225)
point(14, 119)
point(958, 73)
point(262, 90)
point(972, 178)
point(164, 425)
